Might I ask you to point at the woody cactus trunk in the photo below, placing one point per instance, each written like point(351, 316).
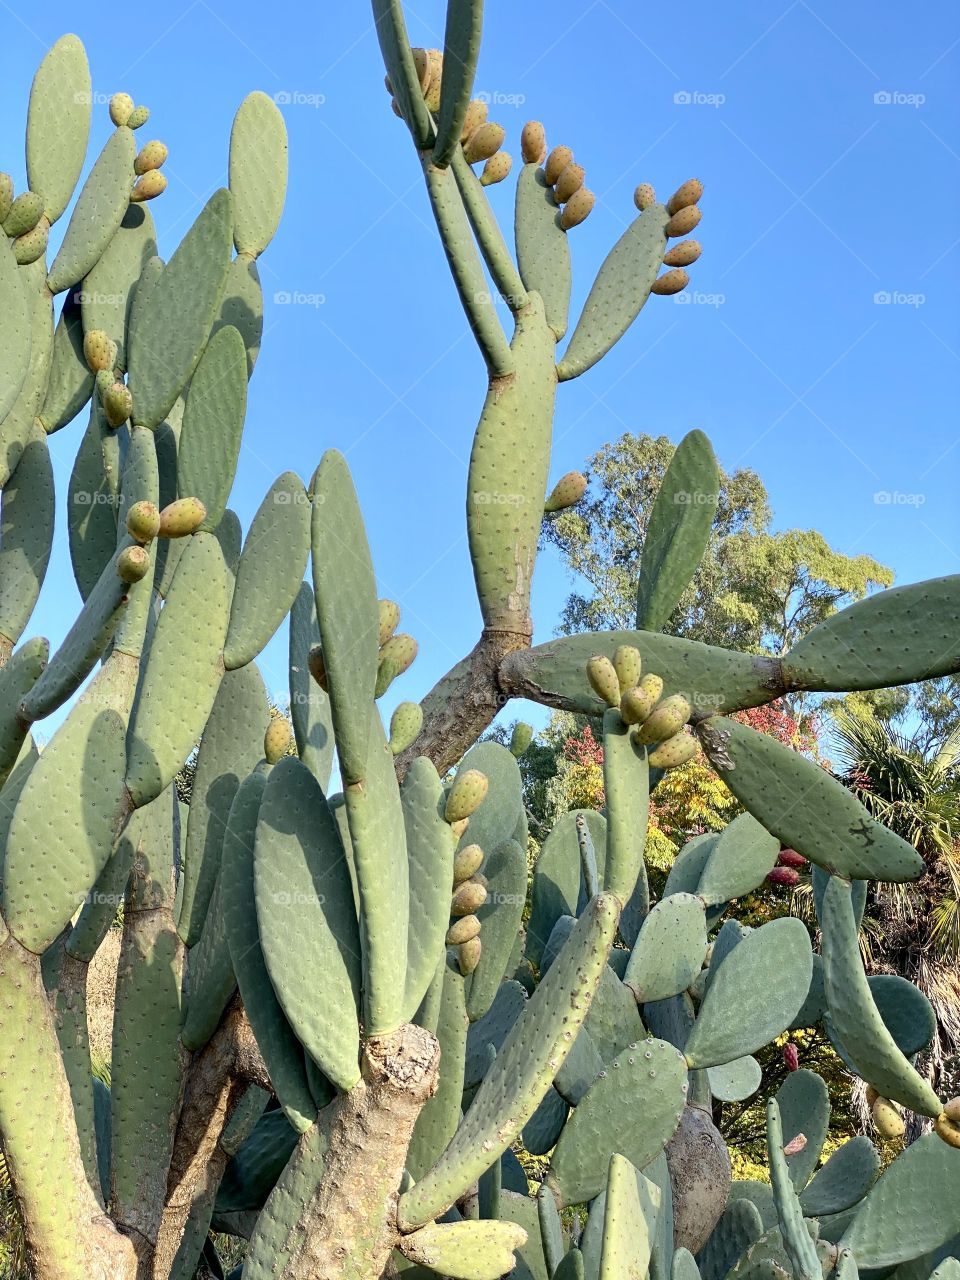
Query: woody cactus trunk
point(332, 1031)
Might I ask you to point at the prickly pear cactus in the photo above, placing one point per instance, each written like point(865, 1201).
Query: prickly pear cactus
point(332, 1028)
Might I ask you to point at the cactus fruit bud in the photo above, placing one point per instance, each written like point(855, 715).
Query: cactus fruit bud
point(6, 195)
point(683, 222)
point(603, 679)
point(496, 168)
point(276, 739)
point(475, 117)
point(577, 209)
point(557, 161)
point(675, 751)
point(182, 517)
point(421, 63)
point(670, 282)
point(791, 1059)
point(683, 254)
point(462, 930)
point(117, 404)
point(399, 650)
point(667, 718)
point(644, 196)
point(317, 667)
point(150, 156)
point(790, 858)
point(389, 619)
point(636, 704)
point(466, 795)
point(99, 350)
point(121, 108)
point(947, 1123)
point(627, 665)
point(431, 93)
point(887, 1120)
point(137, 117)
point(104, 382)
point(795, 1145)
point(783, 876)
point(570, 180)
point(533, 142)
point(520, 739)
point(567, 492)
point(143, 521)
point(468, 956)
point(28, 248)
point(405, 725)
point(686, 195)
point(395, 108)
point(467, 863)
point(467, 897)
point(132, 564)
point(871, 1095)
point(24, 214)
point(151, 185)
point(458, 828)
point(484, 142)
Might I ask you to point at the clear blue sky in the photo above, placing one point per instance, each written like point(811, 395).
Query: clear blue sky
point(819, 196)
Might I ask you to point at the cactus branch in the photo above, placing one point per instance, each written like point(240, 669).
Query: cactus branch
point(490, 238)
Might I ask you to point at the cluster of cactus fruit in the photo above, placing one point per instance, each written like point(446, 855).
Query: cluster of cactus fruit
point(332, 1027)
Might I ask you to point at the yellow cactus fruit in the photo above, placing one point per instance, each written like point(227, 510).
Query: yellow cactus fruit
point(667, 718)
point(683, 222)
point(421, 63)
point(475, 117)
point(151, 184)
point(947, 1123)
point(871, 1095)
point(670, 282)
point(467, 863)
point(150, 156)
point(143, 521)
point(637, 703)
point(137, 117)
point(183, 517)
point(496, 168)
point(533, 142)
point(603, 679)
point(567, 492)
point(627, 664)
point(887, 1120)
point(570, 180)
point(117, 404)
point(317, 667)
point(674, 751)
point(458, 828)
point(133, 564)
point(99, 350)
point(644, 196)
point(467, 898)
point(463, 930)
point(484, 142)
point(683, 254)
point(557, 161)
point(276, 740)
point(577, 208)
point(120, 108)
point(466, 795)
point(389, 620)
point(431, 93)
point(468, 956)
point(686, 195)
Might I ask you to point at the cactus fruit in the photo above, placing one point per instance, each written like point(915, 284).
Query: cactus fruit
point(467, 898)
point(887, 1120)
point(791, 1059)
point(405, 725)
point(683, 222)
point(431, 92)
point(463, 930)
point(673, 751)
point(468, 955)
point(150, 156)
point(31, 246)
point(520, 739)
point(578, 207)
point(152, 184)
point(667, 718)
point(684, 196)
point(466, 795)
point(143, 521)
point(476, 115)
point(783, 877)
point(670, 282)
point(117, 403)
point(182, 517)
point(467, 863)
point(133, 564)
point(947, 1124)
point(603, 679)
point(496, 169)
point(317, 667)
point(570, 180)
point(790, 858)
point(484, 142)
point(121, 108)
point(99, 350)
point(567, 492)
point(396, 657)
point(637, 703)
point(557, 161)
point(458, 828)
point(276, 739)
point(683, 254)
point(389, 620)
point(628, 665)
point(533, 142)
point(644, 196)
point(24, 214)
point(138, 117)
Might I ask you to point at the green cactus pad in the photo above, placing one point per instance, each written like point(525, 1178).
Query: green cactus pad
point(831, 827)
point(735, 1081)
point(800, 1249)
point(739, 1227)
point(20, 422)
point(570, 1266)
point(309, 705)
point(465, 1250)
point(517, 1206)
point(177, 312)
point(551, 1230)
point(854, 1014)
point(256, 1165)
point(97, 214)
point(545, 1126)
point(629, 1218)
point(804, 1103)
point(258, 172)
point(17, 678)
point(437, 1122)
point(91, 505)
point(543, 250)
point(279, 1225)
point(738, 862)
point(669, 950)
point(213, 424)
point(557, 876)
point(212, 980)
point(100, 909)
point(505, 870)
point(613, 1021)
point(270, 571)
point(843, 1181)
point(626, 785)
point(525, 1066)
point(15, 329)
point(70, 383)
point(58, 124)
point(64, 825)
point(684, 1266)
point(303, 891)
point(181, 679)
point(461, 48)
point(907, 1013)
point(754, 995)
point(895, 637)
point(492, 1029)
point(347, 610)
point(26, 535)
point(678, 530)
point(633, 1107)
point(912, 1210)
point(281, 1050)
point(580, 1068)
point(501, 811)
point(621, 288)
point(430, 855)
point(109, 288)
point(242, 307)
point(689, 863)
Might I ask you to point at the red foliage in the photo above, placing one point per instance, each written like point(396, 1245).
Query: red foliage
point(584, 750)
